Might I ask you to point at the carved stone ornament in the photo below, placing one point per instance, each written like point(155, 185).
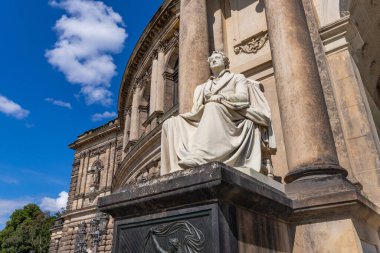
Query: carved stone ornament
point(252, 45)
point(191, 241)
point(95, 172)
point(173, 41)
point(152, 170)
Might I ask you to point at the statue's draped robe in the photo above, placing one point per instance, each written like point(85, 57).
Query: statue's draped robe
point(232, 132)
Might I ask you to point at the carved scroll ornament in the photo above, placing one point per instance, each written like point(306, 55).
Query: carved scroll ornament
point(252, 45)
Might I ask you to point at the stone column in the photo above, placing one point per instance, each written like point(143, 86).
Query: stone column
point(160, 84)
point(135, 117)
point(153, 84)
point(193, 50)
point(126, 130)
point(309, 143)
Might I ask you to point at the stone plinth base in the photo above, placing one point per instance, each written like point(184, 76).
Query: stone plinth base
point(214, 208)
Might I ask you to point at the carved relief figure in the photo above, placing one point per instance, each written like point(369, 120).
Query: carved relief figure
point(192, 242)
point(96, 173)
point(230, 122)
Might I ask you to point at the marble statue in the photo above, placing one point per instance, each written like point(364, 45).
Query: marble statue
point(230, 122)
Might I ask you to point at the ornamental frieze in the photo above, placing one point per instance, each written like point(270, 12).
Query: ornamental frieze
point(252, 45)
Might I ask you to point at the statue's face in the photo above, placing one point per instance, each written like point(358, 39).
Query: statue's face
point(216, 61)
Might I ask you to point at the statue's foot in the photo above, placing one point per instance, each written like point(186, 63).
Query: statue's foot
point(187, 164)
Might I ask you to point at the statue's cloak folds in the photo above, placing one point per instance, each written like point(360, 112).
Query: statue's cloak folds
point(233, 132)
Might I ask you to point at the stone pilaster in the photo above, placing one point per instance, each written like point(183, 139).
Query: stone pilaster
point(160, 84)
point(193, 50)
point(135, 115)
point(309, 142)
point(126, 131)
point(153, 84)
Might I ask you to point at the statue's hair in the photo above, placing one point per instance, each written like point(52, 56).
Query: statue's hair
point(225, 58)
point(174, 242)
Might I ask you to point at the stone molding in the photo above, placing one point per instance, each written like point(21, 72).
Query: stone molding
point(153, 116)
point(95, 134)
point(253, 44)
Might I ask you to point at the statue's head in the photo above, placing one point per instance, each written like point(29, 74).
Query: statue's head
point(218, 60)
point(174, 244)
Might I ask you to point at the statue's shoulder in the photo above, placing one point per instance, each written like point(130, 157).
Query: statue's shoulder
point(238, 77)
point(200, 86)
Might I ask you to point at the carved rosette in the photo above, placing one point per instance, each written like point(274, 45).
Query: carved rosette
point(252, 45)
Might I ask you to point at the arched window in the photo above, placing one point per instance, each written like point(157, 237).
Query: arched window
point(175, 83)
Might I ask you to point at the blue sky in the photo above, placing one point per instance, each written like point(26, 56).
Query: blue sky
point(61, 66)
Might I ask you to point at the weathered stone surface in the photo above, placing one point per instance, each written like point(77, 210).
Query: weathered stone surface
point(252, 213)
point(308, 140)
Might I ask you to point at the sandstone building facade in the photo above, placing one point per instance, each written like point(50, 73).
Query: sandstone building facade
point(169, 60)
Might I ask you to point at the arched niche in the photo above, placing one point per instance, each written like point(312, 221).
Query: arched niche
point(171, 78)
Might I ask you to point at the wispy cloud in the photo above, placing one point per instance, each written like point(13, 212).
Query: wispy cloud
point(55, 204)
point(87, 37)
point(102, 116)
point(10, 108)
point(8, 180)
point(59, 103)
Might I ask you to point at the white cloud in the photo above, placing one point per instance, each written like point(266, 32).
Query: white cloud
point(59, 103)
point(7, 206)
point(55, 205)
point(104, 115)
point(87, 36)
point(10, 108)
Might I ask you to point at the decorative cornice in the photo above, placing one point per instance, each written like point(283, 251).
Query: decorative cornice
point(98, 150)
point(95, 134)
point(253, 44)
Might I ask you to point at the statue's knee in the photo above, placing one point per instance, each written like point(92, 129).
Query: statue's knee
point(213, 106)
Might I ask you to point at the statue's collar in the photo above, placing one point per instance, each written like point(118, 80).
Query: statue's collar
point(220, 74)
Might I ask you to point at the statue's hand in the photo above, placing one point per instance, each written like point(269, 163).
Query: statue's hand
point(216, 98)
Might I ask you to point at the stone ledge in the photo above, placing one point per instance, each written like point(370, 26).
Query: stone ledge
point(213, 182)
point(329, 197)
point(301, 201)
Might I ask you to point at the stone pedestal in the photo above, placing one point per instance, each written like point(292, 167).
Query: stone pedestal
point(220, 209)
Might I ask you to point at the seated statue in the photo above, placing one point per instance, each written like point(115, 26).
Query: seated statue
point(230, 122)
